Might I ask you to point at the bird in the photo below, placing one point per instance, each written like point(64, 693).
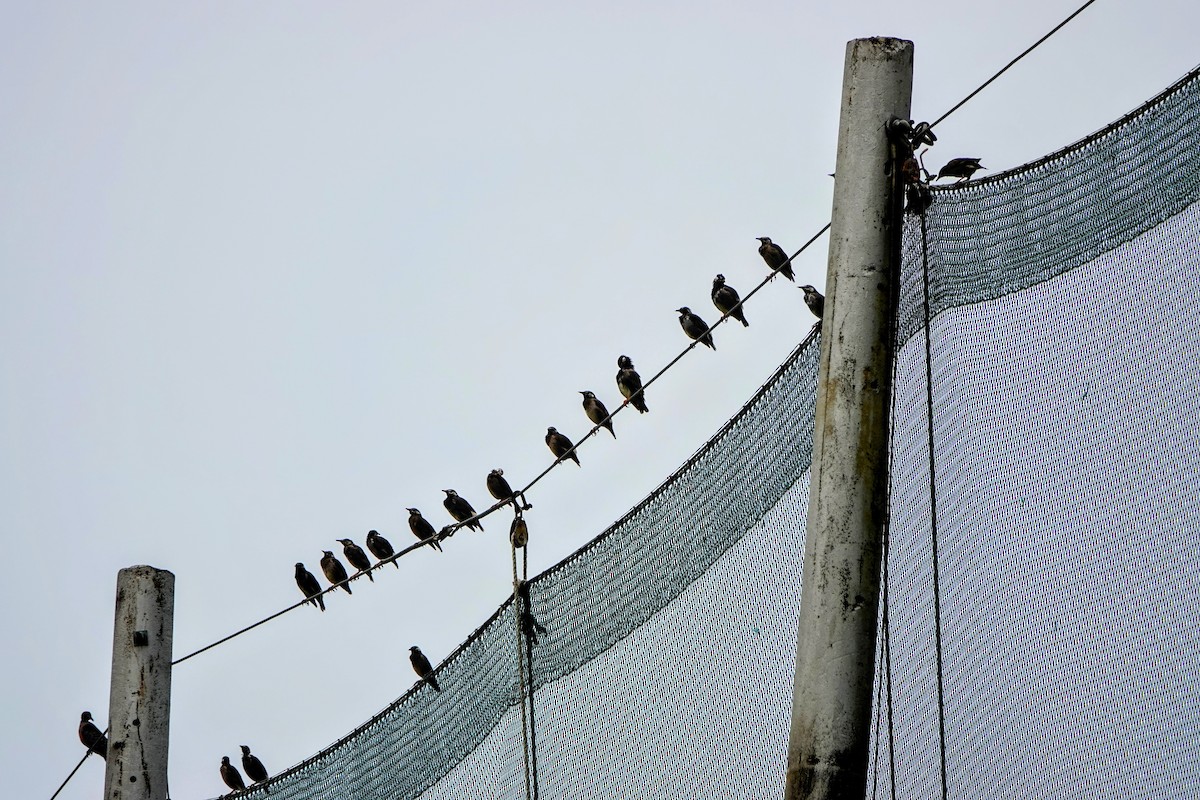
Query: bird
point(255, 770)
point(775, 257)
point(91, 737)
point(380, 547)
point(460, 509)
point(630, 384)
point(231, 776)
point(518, 532)
point(560, 445)
point(309, 585)
point(422, 529)
point(961, 168)
point(695, 327)
point(357, 558)
point(335, 573)
point(498, 486)
point(596, 411)
point(814, 300)
point(422, 666)
point(726, 299)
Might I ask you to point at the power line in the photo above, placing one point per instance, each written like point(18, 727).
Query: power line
point(1006, 67)
point(449, 530)
point(67, 780)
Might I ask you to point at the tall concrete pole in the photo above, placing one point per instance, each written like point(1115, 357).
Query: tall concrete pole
point(839, 605)
point(139, 700)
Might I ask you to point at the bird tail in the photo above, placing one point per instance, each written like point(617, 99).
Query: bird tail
point(786, 269)
point(346, 586)
point(370, 577)
point(575, 458)
point(434, 544)
point(432, 681)
point(610, 429)
point(639, 402)
point(320, 601)
point(743, 321)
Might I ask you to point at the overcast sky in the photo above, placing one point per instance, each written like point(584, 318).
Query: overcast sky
point(272, 272)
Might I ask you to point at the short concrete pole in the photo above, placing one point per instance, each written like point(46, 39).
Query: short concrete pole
point(139, 700)
point(829, 745)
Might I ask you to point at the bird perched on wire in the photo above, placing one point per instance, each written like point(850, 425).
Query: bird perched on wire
point(231, 776)
point(814, 300)
point(775, 257)
point(460, 509)
point(596, 412)
point(695, 327)
point(91, 737)
point(499, 487)
point(518, 532)
point(380, 547)
point(255, 770)
point(309, 585)
point(961, 168)
point(422, 529)
point(726, 299)
point(335, 573)
point(357, 558)
point(560, 445)
point(630, 384)
point(422, 667)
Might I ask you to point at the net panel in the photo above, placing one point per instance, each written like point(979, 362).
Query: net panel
point(1066, 395)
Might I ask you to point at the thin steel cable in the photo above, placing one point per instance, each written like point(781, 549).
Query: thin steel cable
point(517, 612)
point(449, 530)
point(1006, 67)
point(933, 523)
point(67, 780)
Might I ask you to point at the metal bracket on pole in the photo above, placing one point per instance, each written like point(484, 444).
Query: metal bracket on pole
point(139, 700)
point(835, 654)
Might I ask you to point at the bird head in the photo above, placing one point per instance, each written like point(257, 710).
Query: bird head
point(372, 533)
point(345, 542)
point(224, 761)
point(245, 750)
point(720, 279)
point(551, 430)
point(85, 716)
point(625, 362)
point(808, 289)
point(413, 511)
point(414, 649)
point(498, 472)
point(450, 492)
point(299, 566)
point(684, 310)
point(328, 553)
point(587, 395)
point(765, 239)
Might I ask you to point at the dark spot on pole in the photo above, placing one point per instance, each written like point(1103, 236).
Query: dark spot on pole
point(141, 638)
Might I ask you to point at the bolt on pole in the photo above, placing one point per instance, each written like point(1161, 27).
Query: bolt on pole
point(835, 655)
point(139, 700)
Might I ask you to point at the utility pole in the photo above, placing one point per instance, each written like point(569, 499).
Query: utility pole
point(847, 508)
point(139, 699)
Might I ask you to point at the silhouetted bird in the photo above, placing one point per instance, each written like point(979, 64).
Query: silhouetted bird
point(422, 529)
point(255, 770)
point(335, 573)
point(422, 666)
point(460, 509)
point(695, 327)
point(596, 412)
point(529, 624)
point(309, 585)
point(919, 198)
point(498, 486)
point(560, 445)
point(630, 384)
point(814, 300)
point(726, 299)
point(357, 558)
point(775, 257)
point(518, 532)
point(231, 776)
point(91, 737)
point(961, 168)
point(380, 547)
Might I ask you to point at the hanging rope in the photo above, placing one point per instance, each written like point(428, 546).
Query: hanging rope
point(529, 627)
point(518, 615)
point(933, 519)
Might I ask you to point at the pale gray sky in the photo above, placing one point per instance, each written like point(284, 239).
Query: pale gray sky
point(272, 272)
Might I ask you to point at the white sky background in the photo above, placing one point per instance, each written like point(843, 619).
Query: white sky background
point(272, 272)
